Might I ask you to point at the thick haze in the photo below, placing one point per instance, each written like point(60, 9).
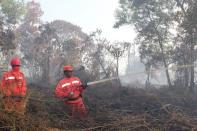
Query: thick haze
point(89, 15)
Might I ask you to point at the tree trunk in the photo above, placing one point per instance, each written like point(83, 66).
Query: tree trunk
point(148, 81)
point(191, 63)
point(192, 79)
point(129, 60)
point(117, 66)
point(48, 70)
point(45, 68)
point(165, 65)
point(186, 73)
point(163, 58)
point(186, 77)
point(104, 70)
point(117, 71)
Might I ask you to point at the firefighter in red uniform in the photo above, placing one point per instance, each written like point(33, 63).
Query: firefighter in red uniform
point(70, 90)
point(13, 88)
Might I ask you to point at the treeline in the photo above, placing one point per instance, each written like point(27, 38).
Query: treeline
point(45, 47)
point(166, 36)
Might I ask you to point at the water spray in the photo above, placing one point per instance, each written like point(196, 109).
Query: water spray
point(101, 81)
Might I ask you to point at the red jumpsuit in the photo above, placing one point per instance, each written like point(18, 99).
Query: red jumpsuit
point(71, 89)
point(13, 87)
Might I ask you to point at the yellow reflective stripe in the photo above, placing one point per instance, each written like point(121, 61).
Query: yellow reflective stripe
point(66, 84)
point(10, 78)
point(73, 82)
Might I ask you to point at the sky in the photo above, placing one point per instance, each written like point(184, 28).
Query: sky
point(89, 15)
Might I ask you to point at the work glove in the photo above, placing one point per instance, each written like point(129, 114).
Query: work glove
point(69, 97)
point(71, 94)
point(65, 99)
point(84, 85)
point(18, 98)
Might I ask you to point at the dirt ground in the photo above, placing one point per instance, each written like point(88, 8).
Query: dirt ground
point(110, 108)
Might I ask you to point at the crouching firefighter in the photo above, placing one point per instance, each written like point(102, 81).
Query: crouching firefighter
point(13, 88)
point(70, 91)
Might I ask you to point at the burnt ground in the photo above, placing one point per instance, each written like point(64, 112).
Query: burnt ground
point(110, 108)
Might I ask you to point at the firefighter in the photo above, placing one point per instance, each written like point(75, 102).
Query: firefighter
point(70, 89)
point(13, 88)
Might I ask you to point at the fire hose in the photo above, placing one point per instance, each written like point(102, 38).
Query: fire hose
point(101, 81)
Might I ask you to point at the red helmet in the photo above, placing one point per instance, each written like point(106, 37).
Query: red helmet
point(15, 61)
point(68, 68)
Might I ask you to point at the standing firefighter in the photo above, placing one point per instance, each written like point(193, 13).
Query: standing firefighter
point(70, 90)
point(13, 88)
